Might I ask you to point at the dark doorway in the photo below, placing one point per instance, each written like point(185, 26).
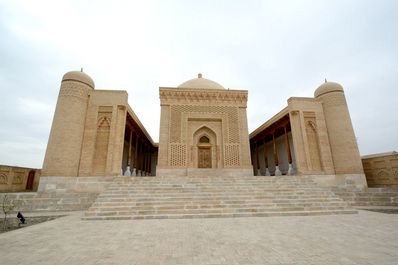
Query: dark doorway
point(31, 179)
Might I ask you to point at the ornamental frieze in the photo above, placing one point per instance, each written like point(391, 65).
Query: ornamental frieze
point(176, 96)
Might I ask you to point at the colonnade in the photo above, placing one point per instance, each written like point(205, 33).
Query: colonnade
point(266, 141)
point(139, 162)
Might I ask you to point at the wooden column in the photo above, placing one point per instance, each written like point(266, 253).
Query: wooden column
point(150, 160)
point(252, 156)
point(289, 155)
point(142, 156)
point(277, 170)
point(257, 160)
point(265, 154)
point(139, 154)
point(130, 144)
point(136, 151)
point(275, 151)
point(145, 157)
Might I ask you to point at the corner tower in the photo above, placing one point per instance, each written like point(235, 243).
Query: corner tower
point(343, 144)
point(66, 136)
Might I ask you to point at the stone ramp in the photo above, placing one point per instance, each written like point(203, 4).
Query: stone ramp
point(214, 197)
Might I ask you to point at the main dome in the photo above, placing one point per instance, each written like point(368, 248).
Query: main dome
point(201, 83)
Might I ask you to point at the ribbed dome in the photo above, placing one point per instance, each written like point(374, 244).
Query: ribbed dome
point(201, 83)
point(328, 87)
point(79, 76)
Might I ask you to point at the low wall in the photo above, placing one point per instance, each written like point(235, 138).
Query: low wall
point(340, 180)
point(381, 170)
point(74, 184)
point(15, 179)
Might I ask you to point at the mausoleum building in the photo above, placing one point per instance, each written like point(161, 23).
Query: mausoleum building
point(96, 135)
point(203, 130)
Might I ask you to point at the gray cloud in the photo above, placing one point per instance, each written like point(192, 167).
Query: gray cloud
point(275, 49)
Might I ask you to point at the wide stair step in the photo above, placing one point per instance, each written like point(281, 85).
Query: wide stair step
point(214, 197)
point(369, 197)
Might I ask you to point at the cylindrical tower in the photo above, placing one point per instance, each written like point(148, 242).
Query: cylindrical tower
point(66, 136)
point(342, 139)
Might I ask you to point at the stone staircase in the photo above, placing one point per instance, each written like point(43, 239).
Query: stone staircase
point(213, 197)
point(369, 197)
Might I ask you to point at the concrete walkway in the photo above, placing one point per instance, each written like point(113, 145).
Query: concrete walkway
point(364, 238)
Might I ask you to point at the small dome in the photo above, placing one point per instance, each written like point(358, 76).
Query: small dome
point(201, 83)
point(327, 87)
point(79, 76)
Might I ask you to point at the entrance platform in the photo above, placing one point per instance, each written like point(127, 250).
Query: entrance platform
point(355, 239)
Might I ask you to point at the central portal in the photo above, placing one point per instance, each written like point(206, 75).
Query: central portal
point(204, 157)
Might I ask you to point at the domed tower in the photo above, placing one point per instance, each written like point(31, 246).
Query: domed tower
point(343, 144)
point(66, 136)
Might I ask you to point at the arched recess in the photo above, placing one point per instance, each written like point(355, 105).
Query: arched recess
point(101, 145)
point(31, 179)
point(204, 147)
point(312, 137)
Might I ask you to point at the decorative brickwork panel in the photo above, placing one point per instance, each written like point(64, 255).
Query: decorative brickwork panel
point(178, 155)
point(381, 170)
point(334, 99)
point(232, 114)
point(73, 89)
point(231, 155)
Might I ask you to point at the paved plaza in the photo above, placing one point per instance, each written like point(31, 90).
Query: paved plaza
point(364, 238)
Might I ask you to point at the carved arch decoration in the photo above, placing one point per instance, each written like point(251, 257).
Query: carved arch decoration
point(205, 131)
point(3, 178)
point(312, 125)
point(382, 174)
point(205, 137)
point(17, 179)
point(104, 122)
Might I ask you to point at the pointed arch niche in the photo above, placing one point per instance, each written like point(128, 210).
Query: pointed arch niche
point(204, 151)
point(101, 144)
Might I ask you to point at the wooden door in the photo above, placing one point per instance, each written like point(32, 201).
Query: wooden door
point(204, 157)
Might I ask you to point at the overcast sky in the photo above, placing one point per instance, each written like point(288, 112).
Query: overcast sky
point(274, 49)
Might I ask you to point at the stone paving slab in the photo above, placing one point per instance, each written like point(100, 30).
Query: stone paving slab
point(364, 238)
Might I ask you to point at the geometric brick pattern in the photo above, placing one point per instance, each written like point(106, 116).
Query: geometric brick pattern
point(178, 154)
point(177, 110)
point(231, 155)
